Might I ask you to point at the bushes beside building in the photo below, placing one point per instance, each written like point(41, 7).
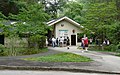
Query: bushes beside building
point(37, 41)
point(109, 48)
point(14, 45)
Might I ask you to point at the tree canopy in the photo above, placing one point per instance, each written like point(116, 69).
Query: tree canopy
point(99, 16)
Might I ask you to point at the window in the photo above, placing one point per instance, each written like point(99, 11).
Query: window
point(62, 25)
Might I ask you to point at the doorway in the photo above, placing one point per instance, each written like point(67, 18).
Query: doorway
point(2, 39)
point(73, 39)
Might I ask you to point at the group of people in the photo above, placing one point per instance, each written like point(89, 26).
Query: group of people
point(106, 42)
point(65, 42)
point(60, 42)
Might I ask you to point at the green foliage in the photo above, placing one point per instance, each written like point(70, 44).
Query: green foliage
point(62, 57)
point(29, 51)
point(73, 11)
point(118, 46)
point(2, 48)
point(37, 41)
point(33, 18)
point(118, 54)
point(13, 44)
point(2, 16)
point(54, 7)
point(33, 12)
point(22, 51)
point(8, 6)
point(113, 32)
point(110, 48)
point(99, 18)
point(30, 8)
point(99, 14)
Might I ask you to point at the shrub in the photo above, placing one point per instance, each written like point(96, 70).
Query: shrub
point(95, 47)
point(13, 43)
point(37, 41)
point(29, 51)
point(118, 46)
point(22, 51)
point(111, 47)
point(2, 48)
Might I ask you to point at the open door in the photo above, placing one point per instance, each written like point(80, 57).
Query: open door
point(73, 39)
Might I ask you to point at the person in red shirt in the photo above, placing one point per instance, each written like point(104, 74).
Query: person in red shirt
point(86, 43)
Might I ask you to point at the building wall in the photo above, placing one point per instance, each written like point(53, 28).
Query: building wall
point(69, 27)
point(16, 42)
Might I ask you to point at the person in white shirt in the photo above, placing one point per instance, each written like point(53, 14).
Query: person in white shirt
point(46, 42)
point(61, 41)
point(53, 42)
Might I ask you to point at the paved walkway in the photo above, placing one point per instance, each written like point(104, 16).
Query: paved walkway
point(104, 63)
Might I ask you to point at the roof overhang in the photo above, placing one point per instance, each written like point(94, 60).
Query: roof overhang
point(53, 22)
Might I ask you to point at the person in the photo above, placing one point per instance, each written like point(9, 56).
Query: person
point(104, 43)
point(68, 42)
point(108, 42)
point(61, 41)
point(82, 43)
point(97, 42)
point(53, 42)
point(65, 41)
point(86, 43)
point(57, 42)
point(46, 42)
point(91, 40)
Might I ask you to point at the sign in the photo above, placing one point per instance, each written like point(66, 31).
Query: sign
point(63, 33)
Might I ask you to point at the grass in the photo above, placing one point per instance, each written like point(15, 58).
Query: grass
point(118, 54)
point(61, 57)
point(29, 51)
point(111, 48)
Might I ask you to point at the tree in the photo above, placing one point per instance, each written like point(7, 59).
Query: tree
point(99, 16)
point(32, 20)
point(8, 6)
point(33, 17)
point(53, 7)
point(2, 16)
point(118, 9)
point(114, 32)
point(73, 11)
